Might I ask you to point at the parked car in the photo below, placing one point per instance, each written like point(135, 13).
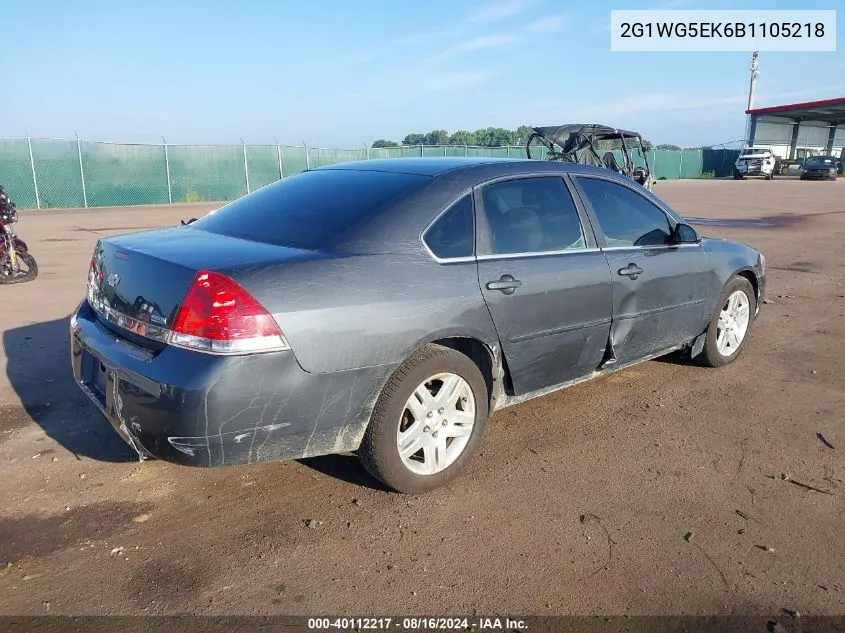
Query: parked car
point(755, 161)
point(820, 168)
point(388, 307)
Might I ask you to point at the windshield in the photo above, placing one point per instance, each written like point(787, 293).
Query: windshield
point(314, 210)
point(754, 150)
point(820, 160)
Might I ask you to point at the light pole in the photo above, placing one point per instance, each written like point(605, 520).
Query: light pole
point(755, 70)
point(752, 88)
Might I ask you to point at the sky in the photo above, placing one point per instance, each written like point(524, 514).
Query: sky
point(334, 73)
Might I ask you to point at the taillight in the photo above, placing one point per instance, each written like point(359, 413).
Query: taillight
point(219, 316)
point(94, 273)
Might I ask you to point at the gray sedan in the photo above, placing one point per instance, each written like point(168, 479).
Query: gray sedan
point(389, 307)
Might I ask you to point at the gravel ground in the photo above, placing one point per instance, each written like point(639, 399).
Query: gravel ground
point(663, 489)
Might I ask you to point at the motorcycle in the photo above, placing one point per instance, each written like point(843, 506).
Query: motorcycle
point(16, 263)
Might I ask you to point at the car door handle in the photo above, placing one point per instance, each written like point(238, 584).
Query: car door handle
point(631, 270)
point(507, 284)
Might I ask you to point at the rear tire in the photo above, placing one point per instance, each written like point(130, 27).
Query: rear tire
point(30, 274)
point(730, 324)
point(447, 427)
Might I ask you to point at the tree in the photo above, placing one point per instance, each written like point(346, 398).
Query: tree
point(383, 143)
point(491, 137)
point(668, 146)
point(523, 132)
point(436, 137)
point(462, 137)
point(414, 139)
point(499, 136)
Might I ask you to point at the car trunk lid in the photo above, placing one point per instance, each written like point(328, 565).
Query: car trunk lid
point(137, 282)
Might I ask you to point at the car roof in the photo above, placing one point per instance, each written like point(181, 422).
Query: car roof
point(435, 167)
point(420, 166)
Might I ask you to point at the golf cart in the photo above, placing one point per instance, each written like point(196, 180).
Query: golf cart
point(593, 144)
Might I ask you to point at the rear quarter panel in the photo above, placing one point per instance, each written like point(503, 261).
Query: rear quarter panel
point(356, 311)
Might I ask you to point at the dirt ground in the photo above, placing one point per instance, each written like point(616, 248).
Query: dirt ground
point(581, 502)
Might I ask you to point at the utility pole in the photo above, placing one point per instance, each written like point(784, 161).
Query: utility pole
point(752, 89)
point(755, 70)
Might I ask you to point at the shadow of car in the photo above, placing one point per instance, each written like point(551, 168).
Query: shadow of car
point(38, 371)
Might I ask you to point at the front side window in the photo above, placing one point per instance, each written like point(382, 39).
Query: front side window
point(453, 234)
point(626, 218)
point(531, 215)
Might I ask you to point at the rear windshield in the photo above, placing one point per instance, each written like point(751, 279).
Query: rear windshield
point(820, 160)
point(314, 210)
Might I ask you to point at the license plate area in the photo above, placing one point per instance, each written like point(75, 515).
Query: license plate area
point(95, 376)
point(102, 381)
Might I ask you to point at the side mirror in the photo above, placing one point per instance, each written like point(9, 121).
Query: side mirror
point(685, 234)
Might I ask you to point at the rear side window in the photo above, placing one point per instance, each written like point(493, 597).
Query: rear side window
point(315, 210)
point(453, 234)
point(531, 215)
point(625, 217)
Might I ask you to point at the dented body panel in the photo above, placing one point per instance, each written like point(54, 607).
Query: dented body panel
point(354, 312)
point(555, 327)
point(663, 305)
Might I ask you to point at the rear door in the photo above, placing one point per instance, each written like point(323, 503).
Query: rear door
point(544, 280)
point(659, 289)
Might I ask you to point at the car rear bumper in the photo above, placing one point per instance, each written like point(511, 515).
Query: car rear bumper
point(208, 410)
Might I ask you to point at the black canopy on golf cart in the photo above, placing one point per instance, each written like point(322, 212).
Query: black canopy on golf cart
point(576, 143)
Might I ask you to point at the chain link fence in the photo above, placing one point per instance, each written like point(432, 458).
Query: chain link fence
point(71, 173)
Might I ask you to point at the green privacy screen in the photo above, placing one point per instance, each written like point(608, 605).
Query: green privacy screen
point(67, 173)
point(119, 175)
point(59, 176)
point(16, 172)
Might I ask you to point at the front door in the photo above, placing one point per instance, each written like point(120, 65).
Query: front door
point(659, 289)
point(544, 280)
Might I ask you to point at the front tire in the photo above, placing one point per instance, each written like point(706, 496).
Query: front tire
point(729, 326)
point(428, 421)
point(29, 272)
